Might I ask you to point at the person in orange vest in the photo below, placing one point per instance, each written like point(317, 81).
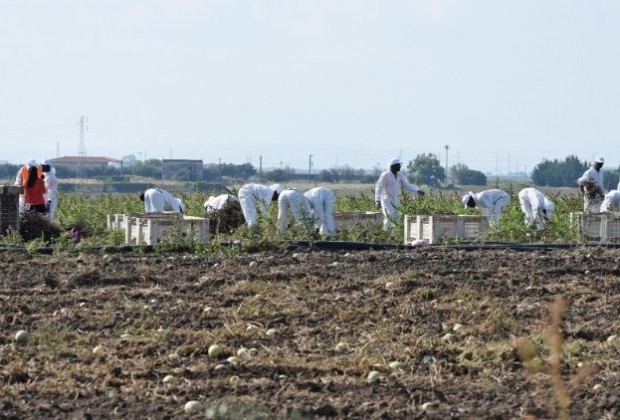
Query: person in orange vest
point(22, 174)
point(34, 191)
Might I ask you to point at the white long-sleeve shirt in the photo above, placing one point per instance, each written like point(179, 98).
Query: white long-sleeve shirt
point(593, 175)
point(51, 184)
point(491, 203)
point(488, 199)
point(322, 202)
point(389, 185)
point(258, 194)
point(533, 202)
point(611, 202)
point(294, 201)
point(318, 196)
point(218, 202)
point(157, 200)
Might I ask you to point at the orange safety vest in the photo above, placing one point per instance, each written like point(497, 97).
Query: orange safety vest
point(25, 174)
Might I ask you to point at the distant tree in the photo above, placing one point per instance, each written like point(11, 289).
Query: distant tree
point(101, 172)
point(344, 173)
point(611, 178)
point(245, 170)
point(349, 174)
point(555, 173)
point(98, 171)
point(129, 161)
point(214, 171)
point(462, 175)
point(150, 168)
point(329, 175)
point(426, 169)
point(280, 175)
point(8, 171)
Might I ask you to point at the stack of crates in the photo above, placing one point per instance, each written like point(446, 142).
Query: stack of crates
point(150, 228)
point(446, 227)
point(600, 227)
point(362, 219)
point(9, 208)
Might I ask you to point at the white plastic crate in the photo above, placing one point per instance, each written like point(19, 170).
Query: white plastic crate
point(603, 227)
point(445, 227)
point(117, 221)
point(150, 228)
point(350, 220)
point(120, 220)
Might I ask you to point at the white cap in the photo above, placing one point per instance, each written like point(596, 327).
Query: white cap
point(600, 160)
point(45, 162)
point(276, 188)
point(32, 162)
point(394, 161)
point(466, 198)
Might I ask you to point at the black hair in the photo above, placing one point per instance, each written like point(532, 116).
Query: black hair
point(142, 196)
point(45, 168)
point(32, 176)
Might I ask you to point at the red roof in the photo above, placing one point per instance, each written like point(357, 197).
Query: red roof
point(84, 159)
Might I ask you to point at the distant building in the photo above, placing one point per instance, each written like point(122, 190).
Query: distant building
point(85, 161)
point(182, 169)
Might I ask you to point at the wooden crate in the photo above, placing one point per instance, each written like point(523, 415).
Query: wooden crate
point(151, 228)
point(447, 227)
point(361, 219)
point(602, 227)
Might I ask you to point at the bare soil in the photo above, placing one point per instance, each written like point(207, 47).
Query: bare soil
point(470, 329)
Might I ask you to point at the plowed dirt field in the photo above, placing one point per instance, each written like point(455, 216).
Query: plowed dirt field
point(300, 331)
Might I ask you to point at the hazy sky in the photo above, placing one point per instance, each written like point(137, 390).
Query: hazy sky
point(503, 83)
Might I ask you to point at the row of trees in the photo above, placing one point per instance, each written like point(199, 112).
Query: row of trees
point(564, 173)
point(424, 169)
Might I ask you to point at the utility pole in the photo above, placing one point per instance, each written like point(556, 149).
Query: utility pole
point(508, 165)
point(260, 168)
point(447, 178)
point(310, 168)
point(81, 148)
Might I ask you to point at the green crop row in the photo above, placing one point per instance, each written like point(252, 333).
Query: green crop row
point(89, 212)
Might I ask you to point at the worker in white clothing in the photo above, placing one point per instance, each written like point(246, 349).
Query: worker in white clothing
point(294, 201)
point(387, 192)
point(591, 185)
point(218, 202)
point(536, 207)
point(611, 202)
point(157, 200)
point(322, 205)
point(51, 187)
point(490, 202)
point(252, 196)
